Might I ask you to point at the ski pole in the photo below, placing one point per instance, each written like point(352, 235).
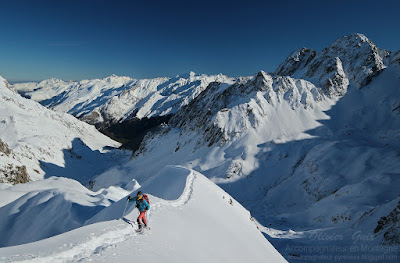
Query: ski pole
point(126, 205)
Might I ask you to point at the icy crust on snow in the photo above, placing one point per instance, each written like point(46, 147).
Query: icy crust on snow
point(197, 222)
point(39, 139)
point(115, 98)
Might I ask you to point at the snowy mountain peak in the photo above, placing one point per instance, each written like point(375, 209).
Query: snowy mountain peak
point(186, 75)
point(355, 39)
point(298, 59)
point(115, 78)
point(261, 80)
point(259, 76)
point(317, 148)
point(51, 81)
point(350, 60)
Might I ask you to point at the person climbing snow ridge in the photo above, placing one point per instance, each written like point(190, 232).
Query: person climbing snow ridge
point(142, 205)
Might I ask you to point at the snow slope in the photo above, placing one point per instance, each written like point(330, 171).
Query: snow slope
point(315, 155)
point(44, 208)
point(311, 150)
point(115, 98)
point(191, 219)
point(37, 142)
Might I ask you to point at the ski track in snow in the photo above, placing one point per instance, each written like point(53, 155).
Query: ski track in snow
point(109, 237)
point(281, 234)
point(92, 245)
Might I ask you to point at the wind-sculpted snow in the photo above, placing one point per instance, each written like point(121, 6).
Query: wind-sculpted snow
point(41, 209)
point(171, 183)
point(198, 222)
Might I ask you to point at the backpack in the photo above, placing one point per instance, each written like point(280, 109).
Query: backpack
point(144, 197)
point(147, 198)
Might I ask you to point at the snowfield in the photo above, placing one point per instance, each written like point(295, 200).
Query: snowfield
point(191, 220)
point(311, 150)
point(314, 155)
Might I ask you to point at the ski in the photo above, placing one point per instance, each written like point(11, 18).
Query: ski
point(128, 221)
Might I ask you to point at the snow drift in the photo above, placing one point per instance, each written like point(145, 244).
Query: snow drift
point(41, 213)
point(191, 219)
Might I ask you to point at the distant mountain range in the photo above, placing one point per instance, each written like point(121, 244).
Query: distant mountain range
point(313, 146)
point(116, 99)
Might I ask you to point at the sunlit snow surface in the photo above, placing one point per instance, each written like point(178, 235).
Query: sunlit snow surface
point(191, 220)
point(311, 151)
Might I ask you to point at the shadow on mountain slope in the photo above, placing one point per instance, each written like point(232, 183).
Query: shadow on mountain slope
point(82, 163)
point(342, 181)
point(131, 132)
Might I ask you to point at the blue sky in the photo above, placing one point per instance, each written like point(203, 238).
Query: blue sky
point(143, 39)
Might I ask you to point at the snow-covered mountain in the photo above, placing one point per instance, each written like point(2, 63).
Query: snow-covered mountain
point(310, 150)
point(191, 219)
point(115, 99)
point(36, 142)
point(352, 59)
point(44, 90)
point(312, 147)
point(56, 219)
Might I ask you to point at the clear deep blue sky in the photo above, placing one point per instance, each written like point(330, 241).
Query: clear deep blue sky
point(96, 38)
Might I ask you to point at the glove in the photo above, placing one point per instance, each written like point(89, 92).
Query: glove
point(129, 197)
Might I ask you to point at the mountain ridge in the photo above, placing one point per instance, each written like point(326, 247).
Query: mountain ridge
point(312, 147)
point(287, 147)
